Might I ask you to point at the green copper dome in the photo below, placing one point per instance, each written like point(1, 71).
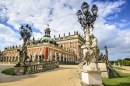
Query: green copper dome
point(45, 38)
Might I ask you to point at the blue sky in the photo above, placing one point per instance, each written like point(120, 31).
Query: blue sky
point(112, 27)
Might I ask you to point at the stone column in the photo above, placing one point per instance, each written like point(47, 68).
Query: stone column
point(50, 55)
point(55, 57)
point(87, 34)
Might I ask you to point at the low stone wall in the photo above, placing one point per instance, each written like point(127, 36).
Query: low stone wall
point(33, 67)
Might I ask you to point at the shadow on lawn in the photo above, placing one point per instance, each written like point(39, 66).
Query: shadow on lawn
point(121, 84)
point(117, 79)
point(113, 73)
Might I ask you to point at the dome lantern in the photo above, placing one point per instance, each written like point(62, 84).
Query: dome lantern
point(47, 31)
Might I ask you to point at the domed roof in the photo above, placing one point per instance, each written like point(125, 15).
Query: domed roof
point(47, 29)
point(46, 38)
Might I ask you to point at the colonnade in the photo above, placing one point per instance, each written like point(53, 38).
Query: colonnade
point(39, 54)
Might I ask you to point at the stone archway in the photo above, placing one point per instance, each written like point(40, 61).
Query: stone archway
point(10, 58)
point(57, 57)
point(16, 58)
point(40, 57)
point(62, 58)
point(31, 58)
point(36, 58)
point(66, 58)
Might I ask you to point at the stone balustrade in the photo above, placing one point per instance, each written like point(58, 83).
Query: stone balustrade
point(33, 67)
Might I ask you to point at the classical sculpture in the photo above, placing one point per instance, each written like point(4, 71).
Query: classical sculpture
point(106, 53)
point(86, 19)
point(89, 51)
point(103, 57)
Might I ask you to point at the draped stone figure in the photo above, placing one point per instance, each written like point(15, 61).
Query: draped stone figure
point(90, 51)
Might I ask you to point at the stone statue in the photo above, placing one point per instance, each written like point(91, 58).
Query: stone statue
point(104, 58)
point(90, 48)
point(100, 56)
point(87, 52)
point(106, 53)
point(90, 53)
point(94, 44)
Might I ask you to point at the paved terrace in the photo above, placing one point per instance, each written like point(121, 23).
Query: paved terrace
point(65, 75)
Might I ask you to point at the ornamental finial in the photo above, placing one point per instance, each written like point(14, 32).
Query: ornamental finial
point(48, 25)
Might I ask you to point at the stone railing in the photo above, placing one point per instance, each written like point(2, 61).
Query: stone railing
point(31, 67)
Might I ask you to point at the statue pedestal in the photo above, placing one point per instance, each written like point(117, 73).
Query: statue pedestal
point(103, 68)
point(91, 78)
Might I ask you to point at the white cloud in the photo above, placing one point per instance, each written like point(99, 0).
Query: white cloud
point(7, 37)
point(61, 16)
point(36, 35)
point(107, 8)
point(112, 17)
point(3, 13)
point(123, 20)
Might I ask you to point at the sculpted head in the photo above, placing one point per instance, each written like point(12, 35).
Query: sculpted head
point(92, 36)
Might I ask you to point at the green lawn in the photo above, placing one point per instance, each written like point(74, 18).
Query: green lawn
point(9, 71)
point(123, 80)
point(118, 68)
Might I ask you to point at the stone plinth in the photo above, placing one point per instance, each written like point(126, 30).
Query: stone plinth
point(103, 68)
point(91, 78)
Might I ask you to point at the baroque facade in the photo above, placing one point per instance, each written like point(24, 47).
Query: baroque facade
point(62, 49)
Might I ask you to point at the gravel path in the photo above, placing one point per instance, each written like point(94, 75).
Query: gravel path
point(127, 69)
point(65, 75)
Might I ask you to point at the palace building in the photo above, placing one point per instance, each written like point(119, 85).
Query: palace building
point(62, 49)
